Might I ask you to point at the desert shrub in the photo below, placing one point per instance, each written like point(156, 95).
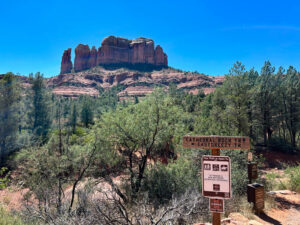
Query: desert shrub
point(6, 218)
point(162, 182)
point(294, 178)
point(3, 177)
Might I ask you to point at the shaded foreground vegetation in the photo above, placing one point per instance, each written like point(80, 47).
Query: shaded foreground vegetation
point(102, 161)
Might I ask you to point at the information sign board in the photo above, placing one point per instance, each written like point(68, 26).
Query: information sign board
point(216, 177)
point(216, 142)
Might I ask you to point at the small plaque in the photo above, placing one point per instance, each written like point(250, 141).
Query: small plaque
point(216, 205)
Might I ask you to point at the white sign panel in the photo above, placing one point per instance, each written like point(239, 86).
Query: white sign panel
point(216, 177)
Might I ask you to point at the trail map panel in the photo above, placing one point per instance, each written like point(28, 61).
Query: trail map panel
point(216, 177)
point(216, 205)
point(216, 142)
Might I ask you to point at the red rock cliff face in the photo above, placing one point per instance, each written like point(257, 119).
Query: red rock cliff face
point(82, 56)
point(66, 63)
point(117, 50)
point(93, 58)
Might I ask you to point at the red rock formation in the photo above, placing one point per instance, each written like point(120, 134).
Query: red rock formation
point(66, 63)
point(160, 56)
point(116, 50)
point(82, 55)
point(93, 58)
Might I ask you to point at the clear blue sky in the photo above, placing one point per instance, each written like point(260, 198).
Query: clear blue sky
point(207, 36)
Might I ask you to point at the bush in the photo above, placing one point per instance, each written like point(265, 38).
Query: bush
point(165, 181)
point(294, 178)
point(7, 218)
point(3, 178)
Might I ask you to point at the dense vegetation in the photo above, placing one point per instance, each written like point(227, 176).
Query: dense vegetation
point(130, 153)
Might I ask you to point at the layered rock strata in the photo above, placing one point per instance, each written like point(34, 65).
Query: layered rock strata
point(115, 51)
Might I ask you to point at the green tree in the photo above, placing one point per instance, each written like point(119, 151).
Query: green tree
point(265, 100)
point(290, 87)
point(9, 99)
point(139, 132)
point(73, 118)
point(87, 114)
point(41, 107)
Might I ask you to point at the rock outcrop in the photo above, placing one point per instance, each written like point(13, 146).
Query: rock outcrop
point(82, 56)
point(119, 51)
point(66, 63)
point(93, 58)
point(136, 83)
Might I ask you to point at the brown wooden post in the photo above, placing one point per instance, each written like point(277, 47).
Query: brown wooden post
point(216, 217)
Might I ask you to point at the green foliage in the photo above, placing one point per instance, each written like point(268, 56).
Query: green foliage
point(162, 182)
point(239, 174)
point(141, 130)
point(3, 178)
point(9, 99)
point(7, 218)
point(294, 178)
point(87, 114)
point(41, 107)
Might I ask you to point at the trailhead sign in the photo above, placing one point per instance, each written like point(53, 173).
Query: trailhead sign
point(216, 142)
point(216, 180)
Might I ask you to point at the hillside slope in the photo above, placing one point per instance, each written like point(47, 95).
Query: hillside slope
point(136, 83)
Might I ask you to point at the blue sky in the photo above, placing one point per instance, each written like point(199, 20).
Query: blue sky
point(207, 36)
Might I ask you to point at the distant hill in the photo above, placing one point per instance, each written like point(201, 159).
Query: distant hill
point(135, 83)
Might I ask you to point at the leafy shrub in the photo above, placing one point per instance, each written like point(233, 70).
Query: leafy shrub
point(164, 181)
point(3, 178)
point(294, 178)
point(7, 218)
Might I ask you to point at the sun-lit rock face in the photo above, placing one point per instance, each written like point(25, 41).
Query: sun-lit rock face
point(66, 63)
point(82, 56)
point(114, 51)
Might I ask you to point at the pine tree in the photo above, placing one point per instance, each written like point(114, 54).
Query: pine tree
point(41, 108)
point(9, 98)
point(265, 99)
point(73, 118)
point(291, 103)
point(87, 115)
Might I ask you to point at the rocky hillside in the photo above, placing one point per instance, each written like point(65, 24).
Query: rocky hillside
point(136, 83)
point(138, 65)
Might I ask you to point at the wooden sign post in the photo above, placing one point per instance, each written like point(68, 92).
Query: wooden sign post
point(216, 143)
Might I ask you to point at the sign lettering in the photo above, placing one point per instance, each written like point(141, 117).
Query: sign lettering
point(219, 142)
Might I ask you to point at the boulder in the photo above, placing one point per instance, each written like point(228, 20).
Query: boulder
point(66, 63)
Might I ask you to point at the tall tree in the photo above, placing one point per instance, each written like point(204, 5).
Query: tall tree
point(291, 103)
point(73, 118)
point(140, 132)
point(87, 114)
point(265, 99)
point(9, 98)
point(41, 107)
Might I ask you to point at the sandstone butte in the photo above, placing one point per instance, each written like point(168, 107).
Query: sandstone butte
point(115, 51)
point(91, 72)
